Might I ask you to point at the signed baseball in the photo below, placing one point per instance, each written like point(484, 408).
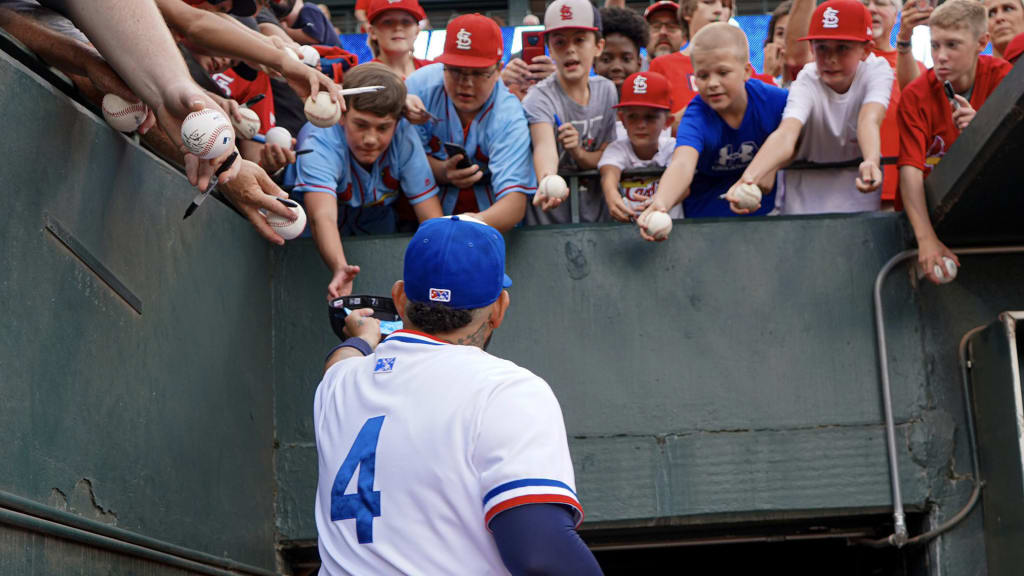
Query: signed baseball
point(279, 136)
point(321, 111)
point(949, 274)
point(747, 196)
point(553, 186)
point(310, 57)
point(658, 224)
point(288, 229)
point(207, 134)
point(122, 115)
point(249, 125)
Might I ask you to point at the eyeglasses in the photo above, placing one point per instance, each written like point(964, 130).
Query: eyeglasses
point(460, 74)
point(668, 26)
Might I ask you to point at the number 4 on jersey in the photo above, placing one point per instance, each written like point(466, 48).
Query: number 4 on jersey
point(364, 505)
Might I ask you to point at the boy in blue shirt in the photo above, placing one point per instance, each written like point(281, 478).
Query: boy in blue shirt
point(358, 168)
point(721, 130)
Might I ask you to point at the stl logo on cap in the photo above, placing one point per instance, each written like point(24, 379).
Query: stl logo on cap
point(640, 85)
point(440, 295)
point(566, 12)
point(464, 40)
point(830, 19)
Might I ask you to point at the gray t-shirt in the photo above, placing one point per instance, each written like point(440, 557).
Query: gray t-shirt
point(596, 124)
point(47, 17)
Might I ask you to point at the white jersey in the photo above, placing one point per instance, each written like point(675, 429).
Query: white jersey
point(420, 445)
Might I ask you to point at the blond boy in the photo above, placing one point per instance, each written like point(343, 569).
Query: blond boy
point(722, 129)
point(929, 123)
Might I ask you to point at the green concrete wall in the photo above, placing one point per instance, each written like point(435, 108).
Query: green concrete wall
point(158, 422)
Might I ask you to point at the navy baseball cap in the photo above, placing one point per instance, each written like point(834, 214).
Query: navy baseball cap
point(457, 261)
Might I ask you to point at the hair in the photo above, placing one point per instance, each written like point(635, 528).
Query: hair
point(688, 7)
point(438, 318)
point(387, 102)
point(777, 14)
point(721, 35)
point(960, 15)
point(626, 22)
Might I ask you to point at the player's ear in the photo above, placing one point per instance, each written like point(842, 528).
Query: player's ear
point(498, 310)
point(399, 298)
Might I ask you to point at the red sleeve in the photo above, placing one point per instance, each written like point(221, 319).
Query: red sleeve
point(264, 108)
point(765, 78)
point(913, 125)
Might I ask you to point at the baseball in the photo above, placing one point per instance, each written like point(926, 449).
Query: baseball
point(207, 134)
point(747, 196)
point(310, 57)
point(279, 136)
point(122, 115)
point(950, 272)
point(286, 228)
point(658, 225)
point(553, 186)
point(321, 111)
point(249, 125)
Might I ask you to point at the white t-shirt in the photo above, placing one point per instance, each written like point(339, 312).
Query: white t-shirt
point(830, 135)
point(419, 445)
point(638, 191)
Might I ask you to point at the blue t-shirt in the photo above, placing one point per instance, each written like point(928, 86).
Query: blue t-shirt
point(726, 152)
point(498, 139)
point(364, 197)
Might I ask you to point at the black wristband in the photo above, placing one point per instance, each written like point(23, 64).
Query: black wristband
point(902, 44)
point(354, 342)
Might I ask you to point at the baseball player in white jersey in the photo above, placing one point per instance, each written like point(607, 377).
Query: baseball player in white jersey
point(434, 456)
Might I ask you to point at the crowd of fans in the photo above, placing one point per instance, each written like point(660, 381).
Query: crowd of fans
point(615, 91)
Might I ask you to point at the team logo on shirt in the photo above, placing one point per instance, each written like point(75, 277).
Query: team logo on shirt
point(729, 160)
point(566, 12)
point(384, 365)
point(936, 151)
point(464, 39)
point(830, 19)
point(640, 85)
point(440, 295)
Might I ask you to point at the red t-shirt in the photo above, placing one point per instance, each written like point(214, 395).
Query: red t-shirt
point(678, 69)
point(926, 118)
point(891, 132)
point(234, 86)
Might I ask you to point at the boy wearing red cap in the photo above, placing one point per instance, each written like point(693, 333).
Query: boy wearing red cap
point(394, 25)
point(834, 114)
point(643, 111)
point(461, 101)
point(929, 123)
point(721, 129)
point(569, 112)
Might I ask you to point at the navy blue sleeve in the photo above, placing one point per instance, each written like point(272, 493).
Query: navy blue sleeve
point(542, 539)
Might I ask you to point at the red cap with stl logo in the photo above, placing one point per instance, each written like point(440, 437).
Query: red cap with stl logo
point(840, 20)
point(472, 41)
point(648, 89)
point(411, 7)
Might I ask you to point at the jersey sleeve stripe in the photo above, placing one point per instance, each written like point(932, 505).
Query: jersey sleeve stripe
point(428, 191)
point(535, 499)
point(525, 189)
point(524, 483)
point(301, 187)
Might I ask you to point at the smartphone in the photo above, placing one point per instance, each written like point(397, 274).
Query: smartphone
point(533, 45)
point(383, 310)
point(950, 94)
point(454, 150)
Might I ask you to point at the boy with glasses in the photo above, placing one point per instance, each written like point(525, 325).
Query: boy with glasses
point(461, 101)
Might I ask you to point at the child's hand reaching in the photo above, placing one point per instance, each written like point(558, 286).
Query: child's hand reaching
point(569, 137)
point(870, 176)
point(618, 208)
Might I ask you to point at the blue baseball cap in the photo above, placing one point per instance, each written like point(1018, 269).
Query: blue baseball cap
point(457, 261)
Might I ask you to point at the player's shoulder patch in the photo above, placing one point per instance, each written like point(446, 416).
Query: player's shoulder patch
point(384, 365)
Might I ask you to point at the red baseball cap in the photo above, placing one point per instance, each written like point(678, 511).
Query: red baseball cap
point(472, 41)
point(411, 7)
point(662, 6)
point(1015, 48)
point(648, 89)
point(571, 14)
point(840, 20)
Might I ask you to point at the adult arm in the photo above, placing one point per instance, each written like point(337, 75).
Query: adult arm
point(930, 250)
point(869, 125)
point(798, 53)
point(323, 221)
point(358, 324)
point(542, 539)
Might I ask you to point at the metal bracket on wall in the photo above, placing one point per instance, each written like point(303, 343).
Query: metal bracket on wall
point(54, 227)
